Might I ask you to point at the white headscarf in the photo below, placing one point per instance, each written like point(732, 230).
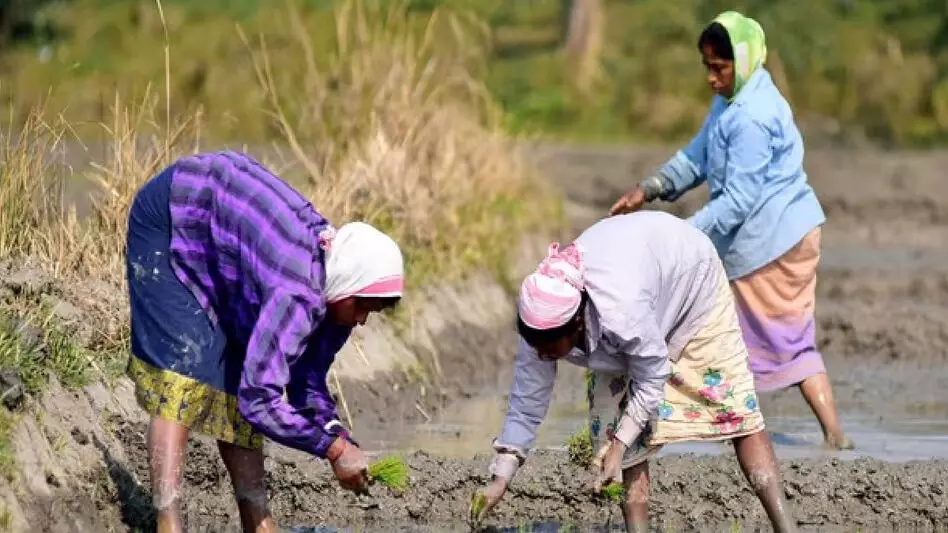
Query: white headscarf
point(361, 261)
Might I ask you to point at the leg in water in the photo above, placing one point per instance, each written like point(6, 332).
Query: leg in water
point(818, 393)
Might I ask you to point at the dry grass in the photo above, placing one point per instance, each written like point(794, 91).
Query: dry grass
point(392, 130)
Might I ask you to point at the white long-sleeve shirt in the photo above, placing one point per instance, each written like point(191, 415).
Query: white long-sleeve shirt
point(651, 279)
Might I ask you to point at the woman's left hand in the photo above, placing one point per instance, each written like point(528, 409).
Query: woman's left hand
point(611, 469)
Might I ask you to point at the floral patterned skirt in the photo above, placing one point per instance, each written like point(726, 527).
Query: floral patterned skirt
point(709, 396)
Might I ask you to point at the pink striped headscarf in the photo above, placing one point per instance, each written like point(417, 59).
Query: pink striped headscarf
point(551, 295)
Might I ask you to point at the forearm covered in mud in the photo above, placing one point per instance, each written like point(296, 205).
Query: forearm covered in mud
point(528, 401)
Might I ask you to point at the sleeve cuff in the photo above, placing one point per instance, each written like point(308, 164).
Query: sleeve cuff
point(331, 431)
point(506, 461)
point(654, 187)
point(628, 430)
point(517, 451)
point(504, 465)
point(678, 174)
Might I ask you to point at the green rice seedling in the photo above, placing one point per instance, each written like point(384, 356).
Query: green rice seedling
point(579, 447)
point(614, 491)
point(476, 511)
point(390, 471)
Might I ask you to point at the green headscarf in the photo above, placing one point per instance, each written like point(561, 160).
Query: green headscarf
point(747, 40)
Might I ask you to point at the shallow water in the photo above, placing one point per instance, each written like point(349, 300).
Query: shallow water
point(466, 429)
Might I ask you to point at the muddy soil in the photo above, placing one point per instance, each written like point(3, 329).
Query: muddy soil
point(882, 314)
point(687, 491)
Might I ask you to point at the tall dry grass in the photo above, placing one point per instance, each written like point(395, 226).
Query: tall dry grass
point(392, 130)
point(397, 129)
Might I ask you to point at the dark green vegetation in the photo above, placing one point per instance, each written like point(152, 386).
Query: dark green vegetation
point(877, 67)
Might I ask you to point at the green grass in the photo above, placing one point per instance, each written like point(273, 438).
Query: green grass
point(71, 363)
point(26, 359)
point(8, 421)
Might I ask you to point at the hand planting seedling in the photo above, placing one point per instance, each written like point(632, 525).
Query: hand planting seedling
point(478, 505)
point(614, 491)
point(391, 472)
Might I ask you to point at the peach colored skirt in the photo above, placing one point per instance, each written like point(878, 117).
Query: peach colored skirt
point(775, 306)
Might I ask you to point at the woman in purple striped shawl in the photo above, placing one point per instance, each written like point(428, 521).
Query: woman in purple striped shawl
point(241, 294)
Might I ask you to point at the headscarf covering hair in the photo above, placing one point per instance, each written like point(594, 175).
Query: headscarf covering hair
point(361, 261)
point(749, 44)
point(551, 296)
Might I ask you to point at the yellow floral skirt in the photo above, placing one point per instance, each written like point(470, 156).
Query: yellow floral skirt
point(709, 396)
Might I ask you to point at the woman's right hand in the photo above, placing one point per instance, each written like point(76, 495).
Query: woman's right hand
point(349, 465)
point(631, 202)
point(492, 495)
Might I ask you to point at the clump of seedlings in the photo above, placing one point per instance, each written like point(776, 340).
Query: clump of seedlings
point(391, 472)
point(614, 492)
point(579, 447)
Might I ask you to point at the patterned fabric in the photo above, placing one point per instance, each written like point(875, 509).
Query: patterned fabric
point(709, 396)
point(550, 296)
point(749, 44)
point(226, 288)
point(198, 406)
point(775, 305)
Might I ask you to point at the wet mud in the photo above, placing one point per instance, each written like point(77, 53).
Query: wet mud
point(882, 312)
point(688, 493)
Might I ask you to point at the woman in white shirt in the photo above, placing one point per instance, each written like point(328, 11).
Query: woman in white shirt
point(643, 301)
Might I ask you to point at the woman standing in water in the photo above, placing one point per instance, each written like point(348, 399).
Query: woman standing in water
point(240, 291)
point(762, 216)
point(642, 300)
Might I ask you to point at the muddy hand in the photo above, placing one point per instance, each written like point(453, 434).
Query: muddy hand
point(633, 201)
point(486, 499)
point(611, 469)
point(349, 465)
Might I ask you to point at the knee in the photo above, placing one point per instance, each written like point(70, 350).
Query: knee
point(762, 479)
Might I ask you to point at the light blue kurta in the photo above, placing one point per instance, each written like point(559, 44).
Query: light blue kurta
point(750, 152)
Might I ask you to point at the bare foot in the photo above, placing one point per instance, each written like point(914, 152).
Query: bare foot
point(841, 442)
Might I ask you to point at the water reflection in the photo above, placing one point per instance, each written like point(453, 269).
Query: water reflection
point(466, 428)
